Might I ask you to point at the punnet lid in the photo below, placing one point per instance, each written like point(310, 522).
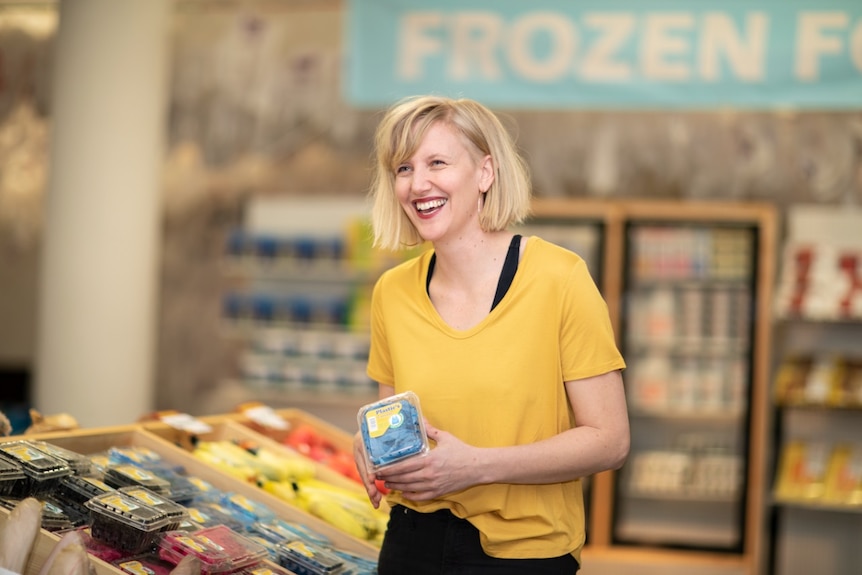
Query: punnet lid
point(126, 510)
point(174, 511)
point(10, 470)
point(78, 463)
point(33, 461)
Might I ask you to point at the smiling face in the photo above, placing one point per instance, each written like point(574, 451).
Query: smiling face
point(439, 186)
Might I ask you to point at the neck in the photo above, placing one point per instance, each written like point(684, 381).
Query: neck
point(469, 258)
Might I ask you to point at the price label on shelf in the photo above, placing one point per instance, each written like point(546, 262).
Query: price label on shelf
point(265, 416)
point(184, 422)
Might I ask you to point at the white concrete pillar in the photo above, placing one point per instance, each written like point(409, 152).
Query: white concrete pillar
point(98, 279)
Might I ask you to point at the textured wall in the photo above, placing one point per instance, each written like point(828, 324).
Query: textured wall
point(256, 108)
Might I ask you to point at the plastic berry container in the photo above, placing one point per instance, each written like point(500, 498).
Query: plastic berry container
point(79, 464)
point(175, 545)
point(145, 564)
point(55, 518)
point(175, 512)
point(127, 475)
point(80, 488)
point(304, 558)
point(42, 472)
point(125, 523)
point(204, 490)
point(242, 551)
point(392, 430)
point(140, 456)
point(245, 509)
point(11, 475)
point(281, 530)
point(98, 549)
point(266, 568)
point(269, 546)
point(209, 514)
point(182, 490)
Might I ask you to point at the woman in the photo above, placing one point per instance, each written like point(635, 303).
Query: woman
point(505, 340)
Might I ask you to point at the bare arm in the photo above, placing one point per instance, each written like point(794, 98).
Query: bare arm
point(599, 441)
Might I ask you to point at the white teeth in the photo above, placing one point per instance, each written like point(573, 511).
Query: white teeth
point(429, 205)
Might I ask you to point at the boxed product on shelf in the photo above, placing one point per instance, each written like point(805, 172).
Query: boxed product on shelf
point(802, 470)
point(790, 379)
point(844, 477)
point(832, 381)
point(847, 384)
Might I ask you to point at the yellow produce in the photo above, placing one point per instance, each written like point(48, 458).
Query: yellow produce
point(281, 489)
point(264, 462)
point(345, 509)
point(230, 467)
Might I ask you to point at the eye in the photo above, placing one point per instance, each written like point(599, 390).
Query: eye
point(438, 163)
point(402, 169)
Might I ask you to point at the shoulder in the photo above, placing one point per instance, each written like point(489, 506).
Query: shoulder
point(407, 271)
point(544, 252)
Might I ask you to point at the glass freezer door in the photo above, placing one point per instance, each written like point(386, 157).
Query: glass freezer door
point(687, 324)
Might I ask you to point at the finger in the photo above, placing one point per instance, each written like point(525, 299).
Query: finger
point(17, 537)
point(431, 431)
point(69, 557)
point(188, 565)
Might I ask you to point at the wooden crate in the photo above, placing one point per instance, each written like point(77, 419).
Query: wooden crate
point(159, 440)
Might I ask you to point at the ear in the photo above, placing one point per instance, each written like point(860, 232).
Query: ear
point(486, 173)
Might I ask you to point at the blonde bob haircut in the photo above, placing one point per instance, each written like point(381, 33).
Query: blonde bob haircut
point(399, 134)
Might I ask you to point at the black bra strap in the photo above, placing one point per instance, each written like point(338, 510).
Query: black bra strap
point(510, 266)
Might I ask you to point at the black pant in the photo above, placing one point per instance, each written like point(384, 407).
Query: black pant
point(439, 543)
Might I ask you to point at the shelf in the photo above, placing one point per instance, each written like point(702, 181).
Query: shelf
point(819, 407)
point(675, 347)
point(816, 402)
point(818, 506)
point(700, 415)
point(684, 496)
point(323, 396)
point(656, 533)
point(827, 321)
point(707, 283)
point(297, 270)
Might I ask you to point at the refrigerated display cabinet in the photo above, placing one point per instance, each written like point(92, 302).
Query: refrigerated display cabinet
point(688, 287)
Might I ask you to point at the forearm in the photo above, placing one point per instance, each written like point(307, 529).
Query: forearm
point(575, 453)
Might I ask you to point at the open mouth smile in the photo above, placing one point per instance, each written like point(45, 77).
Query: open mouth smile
point(428, 206)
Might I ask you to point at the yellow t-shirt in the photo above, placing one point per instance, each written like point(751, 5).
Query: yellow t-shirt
point(500, 383)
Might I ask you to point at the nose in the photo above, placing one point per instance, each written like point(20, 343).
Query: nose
point(420, 181)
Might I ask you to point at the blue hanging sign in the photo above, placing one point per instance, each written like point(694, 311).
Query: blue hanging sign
point(608, 53)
